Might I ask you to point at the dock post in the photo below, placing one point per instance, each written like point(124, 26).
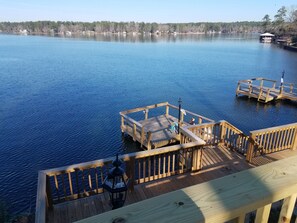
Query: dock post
point(167, 110)
point(196, 158)
point(122, 124)
point(251, 148)
point(146, 111)
point(222, 132)
point(149, 138)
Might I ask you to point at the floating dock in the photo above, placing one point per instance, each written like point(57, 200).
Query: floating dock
point(159, 130)
point(265, 90)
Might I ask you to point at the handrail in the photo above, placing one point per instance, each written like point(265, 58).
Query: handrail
point(273, 139)
point(219, 200)
point(144, 108)
point(192, 113)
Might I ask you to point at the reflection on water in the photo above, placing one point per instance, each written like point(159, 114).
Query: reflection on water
point(138, 38)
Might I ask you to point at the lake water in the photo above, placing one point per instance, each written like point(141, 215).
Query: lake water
point(60, 98)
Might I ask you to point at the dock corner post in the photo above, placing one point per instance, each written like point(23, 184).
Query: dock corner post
point(134, 132)
point(49, 194)
point(251, 148)
point(167, 110)
point(142, 136)
point(196, 158)
point(237, 89)
point(222, 132)
point(149, 138)
point(122, 124)
point(146, 111)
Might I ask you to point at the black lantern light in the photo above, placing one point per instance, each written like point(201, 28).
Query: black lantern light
point(116, 183)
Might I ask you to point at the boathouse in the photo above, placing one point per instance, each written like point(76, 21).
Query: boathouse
point(266, 38)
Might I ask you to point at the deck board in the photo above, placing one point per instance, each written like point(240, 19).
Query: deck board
point(217, 162)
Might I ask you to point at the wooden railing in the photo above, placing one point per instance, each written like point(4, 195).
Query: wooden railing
point(138, 131)
point(271, 140)
point(233, 197)
point(85, 179)
point(222, 132)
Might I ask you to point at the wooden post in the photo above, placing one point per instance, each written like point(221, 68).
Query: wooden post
point(274, 84)
point(142, 136)
point(291, 88)
point(146, 111)
point(261, 83)
point(251, 148)
point(149, 138)
point(49, 194)
point(122, 124)
point(167, 110)
point(199, 120)
point(267, 95)
point(130, 173)
point(196, 158)
point(134, 132)
point(222, 132)
point(238, 88)
point(250, 89)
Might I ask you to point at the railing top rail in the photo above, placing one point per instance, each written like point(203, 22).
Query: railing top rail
point(274, 128)
point(256, 79)
point(132, 121)
point(40, 213)
point(214, 201)
point(143, 108)
point(192, 113)
point(124, 157)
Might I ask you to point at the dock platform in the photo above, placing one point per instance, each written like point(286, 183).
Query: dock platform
point(157, 131)
point(265, 90)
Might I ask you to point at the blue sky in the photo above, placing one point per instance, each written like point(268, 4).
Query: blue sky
point(140, 10)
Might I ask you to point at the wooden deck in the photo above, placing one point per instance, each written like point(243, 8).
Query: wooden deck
point(154, 132)
point(217, 162)
point(254, 88)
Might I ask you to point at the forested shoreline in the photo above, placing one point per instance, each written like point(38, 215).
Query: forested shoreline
point(107, 27)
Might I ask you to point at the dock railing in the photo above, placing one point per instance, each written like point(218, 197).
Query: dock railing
point(246, 196)
point(222, 132)
point(138, 130)
point(271, 140)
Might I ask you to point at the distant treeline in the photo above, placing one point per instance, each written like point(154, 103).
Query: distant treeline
point(86, 28)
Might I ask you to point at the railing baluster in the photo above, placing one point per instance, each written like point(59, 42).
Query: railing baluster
point(262, 214)
point(70, 183)
point(57, 187)
point(287, 209)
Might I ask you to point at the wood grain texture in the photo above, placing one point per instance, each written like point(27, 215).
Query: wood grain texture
point(214, 201)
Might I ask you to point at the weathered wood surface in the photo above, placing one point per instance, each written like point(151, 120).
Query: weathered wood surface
point(217, 162)
point(264, 93)
point(218, 200)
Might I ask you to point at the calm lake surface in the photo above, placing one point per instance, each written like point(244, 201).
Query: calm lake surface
point(60, 98)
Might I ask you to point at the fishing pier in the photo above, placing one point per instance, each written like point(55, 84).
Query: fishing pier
point(255, 171)
point(265, 90)
point(158, 130)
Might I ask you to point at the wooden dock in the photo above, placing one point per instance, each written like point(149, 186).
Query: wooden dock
point(155, 132)
point(265, 90)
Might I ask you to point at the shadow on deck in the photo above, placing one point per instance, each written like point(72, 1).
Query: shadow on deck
point(216, 162)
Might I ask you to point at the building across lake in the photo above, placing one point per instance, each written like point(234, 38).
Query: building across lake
point(266, 38)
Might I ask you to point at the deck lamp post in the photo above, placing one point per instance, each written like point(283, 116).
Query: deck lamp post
point(179, 113)
point(116, 183)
